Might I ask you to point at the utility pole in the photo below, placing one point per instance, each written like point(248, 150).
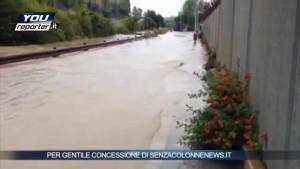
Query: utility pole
point(196, 14)
point(180, 18)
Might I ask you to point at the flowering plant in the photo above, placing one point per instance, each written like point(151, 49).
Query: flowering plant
point(227, 121)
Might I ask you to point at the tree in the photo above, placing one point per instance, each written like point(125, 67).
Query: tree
point(106, 8)
point(137, 12)
point(161, 21)
point(124, 7)
point(130, 23)
point(149, 23)
point(187, 14)
point(153, 20)
point(115, 8)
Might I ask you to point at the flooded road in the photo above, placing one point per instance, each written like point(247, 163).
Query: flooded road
point(127, 96)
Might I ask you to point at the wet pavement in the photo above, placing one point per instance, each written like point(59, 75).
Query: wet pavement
point(127, 96)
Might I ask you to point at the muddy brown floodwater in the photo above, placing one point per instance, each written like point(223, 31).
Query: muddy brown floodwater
point(127, 96)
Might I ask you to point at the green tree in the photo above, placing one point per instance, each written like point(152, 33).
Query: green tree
point(160, 20)
point(124, 7)
point(106, 8)
point(153, 20)
point(188, 14)
point(137, 12)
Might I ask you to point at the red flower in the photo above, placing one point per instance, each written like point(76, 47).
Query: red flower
point(246, 136)
point(251, 119)
point(243, 98)
point(238, 116)
point(225, 98)
point(234, 96)
point(227, 145)
point(210, 101)
point(250, 144)
point(229, 108)
point(220, 88)
point(248, 76)
point(207, 131)
point(225, 79)
point(218, 140)
point(215, 103)
point(247, 128)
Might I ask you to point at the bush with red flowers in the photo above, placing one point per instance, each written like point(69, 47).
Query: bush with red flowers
point(227, 121)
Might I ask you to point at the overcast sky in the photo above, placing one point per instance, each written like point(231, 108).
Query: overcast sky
point(164, 7)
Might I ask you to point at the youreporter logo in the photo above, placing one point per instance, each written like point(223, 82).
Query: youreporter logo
point(37, 21)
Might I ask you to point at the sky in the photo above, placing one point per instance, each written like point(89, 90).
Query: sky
point(164, 7)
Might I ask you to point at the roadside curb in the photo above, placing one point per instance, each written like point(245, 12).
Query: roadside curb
point(56, 52)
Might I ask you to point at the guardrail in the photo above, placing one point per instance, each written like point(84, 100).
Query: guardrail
point(57, 52)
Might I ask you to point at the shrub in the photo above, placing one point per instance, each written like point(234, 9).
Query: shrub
point(101, 25)
point(65, 24)
point(74, 23)
point(120, 27)
point(227, 121)
point(163, 30)
point(86, 23)
point(130, 23)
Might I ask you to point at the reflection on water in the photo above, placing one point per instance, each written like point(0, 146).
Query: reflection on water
point(118, 97)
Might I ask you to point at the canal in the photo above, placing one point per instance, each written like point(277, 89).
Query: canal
point(126, 96)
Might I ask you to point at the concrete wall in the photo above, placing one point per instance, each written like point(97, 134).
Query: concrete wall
point(262, 37)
